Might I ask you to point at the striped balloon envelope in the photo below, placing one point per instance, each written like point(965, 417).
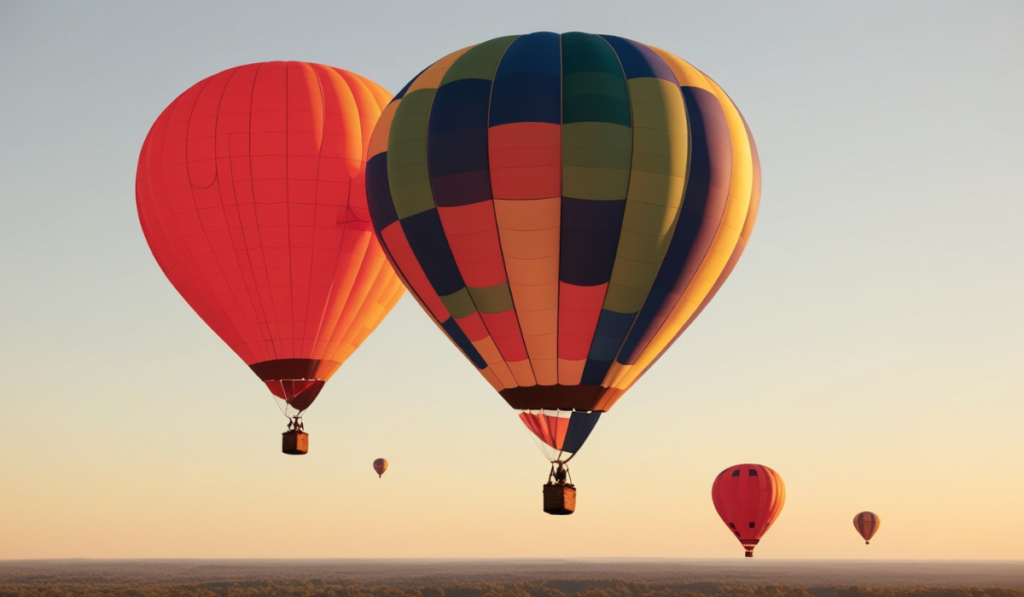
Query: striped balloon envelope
point(867, 524)
point(563, 206)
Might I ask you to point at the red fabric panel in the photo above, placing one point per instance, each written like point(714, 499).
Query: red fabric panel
point(472, 234)
point(525, 160)
point(473, 327)
point(579, 308)
point(504, 329)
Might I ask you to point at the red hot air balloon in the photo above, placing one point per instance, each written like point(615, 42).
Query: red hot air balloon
point(867, 524)
point(380, 465)
point(250, 193)
point(748, 497)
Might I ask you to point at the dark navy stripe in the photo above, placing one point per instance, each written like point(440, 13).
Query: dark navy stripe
point(612, 329)
point(528, 82)
point(640, 61)
point(451, 327)
point(589, 240)
point(457, 143)
point(580, 426)
point(430, 246)
point(378, 192)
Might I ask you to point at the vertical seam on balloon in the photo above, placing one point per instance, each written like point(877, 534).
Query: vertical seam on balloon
point(220, 102)
point(259, 231)
point(188, 174)
point(494, 214)
point(316, 195)
point(288, 197)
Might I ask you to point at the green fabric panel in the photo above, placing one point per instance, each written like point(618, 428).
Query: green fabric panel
point(595, 160)
point(494, 299)
point(408, 175)
point(593, 84)
point(659, 163)
point(459, 304)
point(479, 62)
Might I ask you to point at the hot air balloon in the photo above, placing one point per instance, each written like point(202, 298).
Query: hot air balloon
point(250, 194)
point(748, 497)
point(867, 524)
point(380, 465)
point(563, 207)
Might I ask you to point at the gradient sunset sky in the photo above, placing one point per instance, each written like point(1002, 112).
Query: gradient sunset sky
point(869, 346)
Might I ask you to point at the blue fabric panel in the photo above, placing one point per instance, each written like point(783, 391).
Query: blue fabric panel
point(528, 82)
point(640, 61)
point(612, 329)
point(690, 218)
point(451, 327)
point(460, 104)
point(580, 426)
point(378, 192)
point(429, 245)
point(457, 151)
point(589, 239)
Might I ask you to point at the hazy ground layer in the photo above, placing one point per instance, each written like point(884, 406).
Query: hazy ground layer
point(492, 578)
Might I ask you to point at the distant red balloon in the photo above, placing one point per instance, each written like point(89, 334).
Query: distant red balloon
point(380, 465)
point(867, 524)
point(748, 497)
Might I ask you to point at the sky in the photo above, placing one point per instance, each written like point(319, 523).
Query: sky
point(868, 347)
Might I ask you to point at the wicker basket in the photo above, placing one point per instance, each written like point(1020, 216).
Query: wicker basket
point(294, 442)
point(559, 499)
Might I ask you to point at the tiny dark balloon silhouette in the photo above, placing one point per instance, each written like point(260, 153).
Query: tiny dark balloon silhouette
point(380, 465)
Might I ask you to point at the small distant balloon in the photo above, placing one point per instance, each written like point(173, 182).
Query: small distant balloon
point(380, 465)
point(867, 524)
point(748, 497)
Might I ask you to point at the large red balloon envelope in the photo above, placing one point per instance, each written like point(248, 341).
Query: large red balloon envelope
point(748, 497)
point(250, 193)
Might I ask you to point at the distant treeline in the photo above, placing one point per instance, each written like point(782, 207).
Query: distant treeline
point(567, 588)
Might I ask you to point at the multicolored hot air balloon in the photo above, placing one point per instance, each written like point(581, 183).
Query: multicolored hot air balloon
point(867, 524)
point(251, 196)
point(380, 465)
point(748, 497)
point(563, 207)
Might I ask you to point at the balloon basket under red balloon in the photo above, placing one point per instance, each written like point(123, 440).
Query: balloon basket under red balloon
point(559, 499)
point(294, 442)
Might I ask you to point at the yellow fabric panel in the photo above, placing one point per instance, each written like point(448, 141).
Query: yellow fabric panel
point(492, 379)
point(523, 372)
point(431, 78)
point(379, 139)
point(529, 231)
point(595, 160)
point(725, 239)
point(661, 149)
point(570, 372)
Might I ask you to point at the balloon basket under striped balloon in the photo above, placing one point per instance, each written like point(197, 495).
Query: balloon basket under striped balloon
point(559, 499)
point(294, 442)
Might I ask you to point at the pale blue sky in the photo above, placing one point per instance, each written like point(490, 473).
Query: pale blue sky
point(868, 346)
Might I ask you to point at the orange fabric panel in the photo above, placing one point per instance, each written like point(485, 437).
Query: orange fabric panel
point(526, 160)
